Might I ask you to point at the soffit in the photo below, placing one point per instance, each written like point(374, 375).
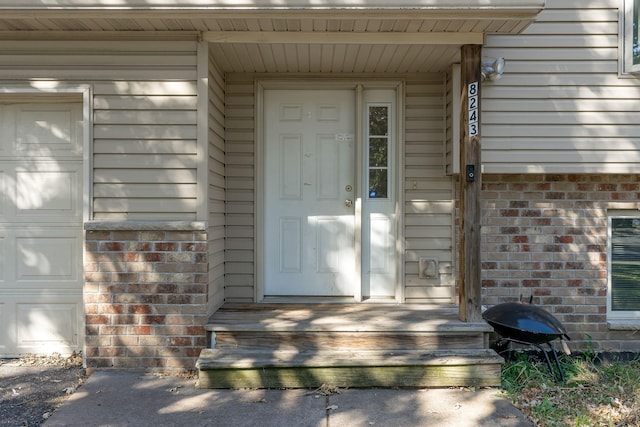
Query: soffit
point(86, 19)
point(345, 21)
point(230, 5)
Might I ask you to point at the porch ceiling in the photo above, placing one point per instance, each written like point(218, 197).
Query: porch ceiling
point(334, 58)
point(367, 36)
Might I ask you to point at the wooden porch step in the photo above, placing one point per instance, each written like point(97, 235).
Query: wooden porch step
point(344, 327)
point(227, 368)
point(341, 341)
point(346, 345)
point(342, 317)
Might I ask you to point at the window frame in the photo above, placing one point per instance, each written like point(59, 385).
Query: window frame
point(632, 315)
point(626, 37)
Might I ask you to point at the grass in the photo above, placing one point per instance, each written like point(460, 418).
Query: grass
point(594, 394)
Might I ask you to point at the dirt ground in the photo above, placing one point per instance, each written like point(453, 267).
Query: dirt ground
point(32, 387)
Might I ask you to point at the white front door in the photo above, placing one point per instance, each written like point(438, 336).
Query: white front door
point(309, 193)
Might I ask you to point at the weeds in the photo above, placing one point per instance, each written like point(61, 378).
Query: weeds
point(594, 394)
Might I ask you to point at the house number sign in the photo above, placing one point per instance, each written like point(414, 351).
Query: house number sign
point(472, 99)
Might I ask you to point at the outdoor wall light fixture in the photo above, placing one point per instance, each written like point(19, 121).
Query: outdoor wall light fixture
point(492, 69)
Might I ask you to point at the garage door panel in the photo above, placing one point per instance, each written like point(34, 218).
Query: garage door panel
point(49, 326)
point(6, 130)
point(40, 258)
point(3, 258)
point(47, 193)
point(4, 330)
point(44, 192)
point(4, 197)
point(43, 259)
point(47, 129)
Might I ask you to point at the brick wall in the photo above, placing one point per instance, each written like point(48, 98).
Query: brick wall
point(546, 236)
point(145, 297)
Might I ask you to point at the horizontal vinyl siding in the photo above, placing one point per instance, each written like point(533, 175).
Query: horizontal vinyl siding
point(428, 192)
point(216, 190)
point(240, 206)
point(452, 141)
point(144, 122)
point(561, 106)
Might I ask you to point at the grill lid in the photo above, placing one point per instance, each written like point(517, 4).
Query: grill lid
point(524, 322)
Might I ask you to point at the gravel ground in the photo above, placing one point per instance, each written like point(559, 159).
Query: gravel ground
point(32, 387)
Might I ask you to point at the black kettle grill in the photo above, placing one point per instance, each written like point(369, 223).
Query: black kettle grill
point(528, 325)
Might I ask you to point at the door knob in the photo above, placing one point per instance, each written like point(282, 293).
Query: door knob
point(348, 203)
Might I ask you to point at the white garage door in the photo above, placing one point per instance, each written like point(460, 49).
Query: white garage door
point(40, 228)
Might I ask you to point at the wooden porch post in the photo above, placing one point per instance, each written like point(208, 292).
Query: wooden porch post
point(470, 182)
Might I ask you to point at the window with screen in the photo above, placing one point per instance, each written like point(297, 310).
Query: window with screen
point(624, 265)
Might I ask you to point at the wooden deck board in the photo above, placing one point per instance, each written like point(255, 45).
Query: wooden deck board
point(354, 377)
point(356, 369)
point(234, 359)
point(309, 340)
point(340, 317)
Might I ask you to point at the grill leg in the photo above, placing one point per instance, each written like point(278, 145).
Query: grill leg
point(555, 357)
point(560, 375)
point(546, 357)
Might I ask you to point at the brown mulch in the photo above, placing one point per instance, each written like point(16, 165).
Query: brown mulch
point(33, 387)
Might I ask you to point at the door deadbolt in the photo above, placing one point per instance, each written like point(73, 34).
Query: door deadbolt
point(348, 188)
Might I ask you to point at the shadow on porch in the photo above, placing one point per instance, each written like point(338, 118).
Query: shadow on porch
point(346, 345)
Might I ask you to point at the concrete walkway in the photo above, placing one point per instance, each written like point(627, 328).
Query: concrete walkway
point(111, 398)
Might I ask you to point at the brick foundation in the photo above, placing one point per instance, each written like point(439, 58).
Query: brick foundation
point(145, 297)
point(546, 236)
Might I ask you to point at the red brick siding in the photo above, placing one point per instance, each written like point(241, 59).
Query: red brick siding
point(145, 298)
point(546, 236)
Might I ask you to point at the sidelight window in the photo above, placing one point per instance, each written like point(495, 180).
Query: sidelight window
point(630, 41)
point(378, 151)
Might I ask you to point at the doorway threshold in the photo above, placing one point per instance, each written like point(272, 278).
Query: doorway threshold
point(295, 299)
